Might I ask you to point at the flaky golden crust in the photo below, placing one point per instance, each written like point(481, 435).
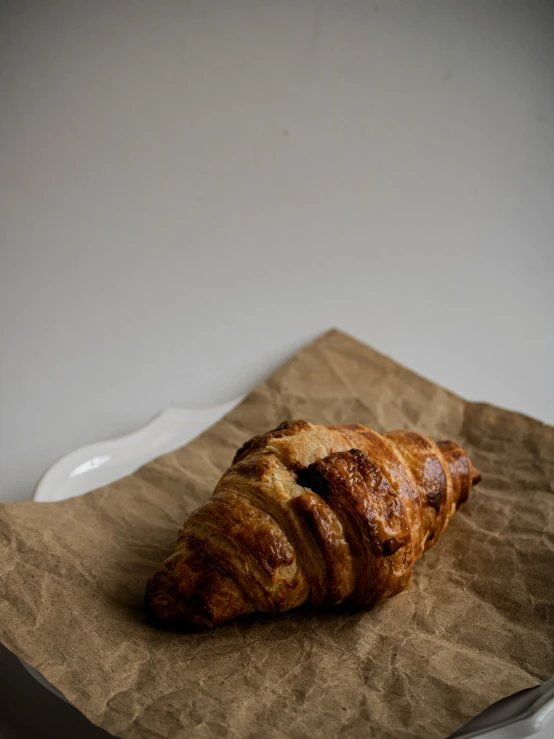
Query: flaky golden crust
point(311, 513)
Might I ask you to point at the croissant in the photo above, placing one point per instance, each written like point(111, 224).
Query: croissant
point(315, 514)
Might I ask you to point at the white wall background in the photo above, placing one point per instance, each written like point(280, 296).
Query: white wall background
point(192, 189)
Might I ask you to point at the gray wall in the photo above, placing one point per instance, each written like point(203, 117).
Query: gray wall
point(192, 190)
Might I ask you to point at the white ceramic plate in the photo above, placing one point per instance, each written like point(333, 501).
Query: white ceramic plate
point(526, 714)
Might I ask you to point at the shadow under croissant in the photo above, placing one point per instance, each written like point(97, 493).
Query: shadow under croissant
point(306, 612)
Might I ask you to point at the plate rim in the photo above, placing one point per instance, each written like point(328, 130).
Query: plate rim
point(162, 422)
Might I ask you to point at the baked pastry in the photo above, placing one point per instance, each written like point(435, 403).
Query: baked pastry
point(315, 514)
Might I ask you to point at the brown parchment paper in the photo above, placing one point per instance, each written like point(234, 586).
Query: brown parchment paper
point(476, 625)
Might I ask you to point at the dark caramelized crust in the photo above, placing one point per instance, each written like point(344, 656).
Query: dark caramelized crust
point(431, 475)
point(373, 516)
point(390, 461)
point(336, 581)
point(460, 466)
point(312, 513)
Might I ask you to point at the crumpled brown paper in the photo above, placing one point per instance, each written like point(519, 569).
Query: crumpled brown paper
point(477, 623)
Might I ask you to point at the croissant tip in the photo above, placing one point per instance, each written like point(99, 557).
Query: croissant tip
point(476, 476)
